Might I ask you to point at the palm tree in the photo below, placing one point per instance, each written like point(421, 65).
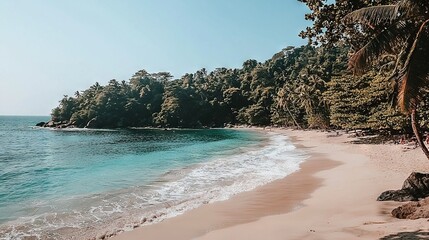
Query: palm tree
point(284, 100)
point(403, 30)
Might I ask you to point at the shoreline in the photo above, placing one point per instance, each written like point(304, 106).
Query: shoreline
point(332, 196)
point(242, 208)
point(242, 168)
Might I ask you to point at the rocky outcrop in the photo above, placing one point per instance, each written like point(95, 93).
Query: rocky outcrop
point(40, 124)
point(51, 124)
point(59, 124)
point(413, 210)
point(396, 195)
point(93, 123)
point(415, 187)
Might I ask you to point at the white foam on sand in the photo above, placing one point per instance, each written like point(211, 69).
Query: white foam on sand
point(215, 180)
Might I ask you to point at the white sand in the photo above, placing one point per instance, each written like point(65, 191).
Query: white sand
point(333, 197)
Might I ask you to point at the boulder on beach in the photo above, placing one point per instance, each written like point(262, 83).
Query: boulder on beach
point(415, 187)
point(412, 210)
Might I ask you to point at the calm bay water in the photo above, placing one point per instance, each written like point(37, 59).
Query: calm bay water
point(77, 183)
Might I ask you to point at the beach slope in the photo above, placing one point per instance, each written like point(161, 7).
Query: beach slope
point(333, 196)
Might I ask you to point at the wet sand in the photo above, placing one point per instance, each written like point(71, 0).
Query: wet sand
point(333, 196)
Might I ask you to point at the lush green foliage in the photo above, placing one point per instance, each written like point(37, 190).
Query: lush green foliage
point(328, 26)
point(305, 87)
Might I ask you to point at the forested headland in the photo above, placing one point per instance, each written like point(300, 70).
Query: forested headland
point(302, 87)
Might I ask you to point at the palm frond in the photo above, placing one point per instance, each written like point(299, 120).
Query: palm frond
point(415, 74)
point(412, 8)
point(390, 40)
point(373, 16)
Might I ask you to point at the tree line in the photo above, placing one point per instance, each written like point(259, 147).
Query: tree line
point(312, 86)
point(302, 87)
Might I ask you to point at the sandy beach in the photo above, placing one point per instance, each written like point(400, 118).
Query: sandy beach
point(333, 196)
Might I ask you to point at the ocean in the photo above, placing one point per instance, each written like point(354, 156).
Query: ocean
point(76, 183)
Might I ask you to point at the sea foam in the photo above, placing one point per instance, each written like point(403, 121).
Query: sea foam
point(173, 193)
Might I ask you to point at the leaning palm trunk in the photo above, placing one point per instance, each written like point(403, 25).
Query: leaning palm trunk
point(293, 118)
point(401, 29)
point(417, 133)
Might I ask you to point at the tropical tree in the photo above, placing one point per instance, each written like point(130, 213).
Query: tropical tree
point(285, 101)
point(65, 110)
point(364, 102)
point(327, 28)
point(401, 30)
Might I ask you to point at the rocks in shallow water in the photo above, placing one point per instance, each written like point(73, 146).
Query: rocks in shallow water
point(54, 124)
point(40, 124)
point(50, 124)
point(412, 210)
point(415, 187)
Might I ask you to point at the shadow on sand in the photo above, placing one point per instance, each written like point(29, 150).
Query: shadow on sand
point(407, 235)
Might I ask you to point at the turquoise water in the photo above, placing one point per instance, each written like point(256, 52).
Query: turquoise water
point(52, 181)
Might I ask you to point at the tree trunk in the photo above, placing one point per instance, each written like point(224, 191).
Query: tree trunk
point(294, 120)
point(417, 133)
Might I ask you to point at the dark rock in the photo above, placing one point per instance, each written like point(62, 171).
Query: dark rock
point(50, 124)
point(396, 195)
point(66, 124)
point(415, 187)
point(40, 124)
point(412, 210)
point(102, 235)
point(59, 124)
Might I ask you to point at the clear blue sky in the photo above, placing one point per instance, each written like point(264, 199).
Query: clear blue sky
point(52, 48)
